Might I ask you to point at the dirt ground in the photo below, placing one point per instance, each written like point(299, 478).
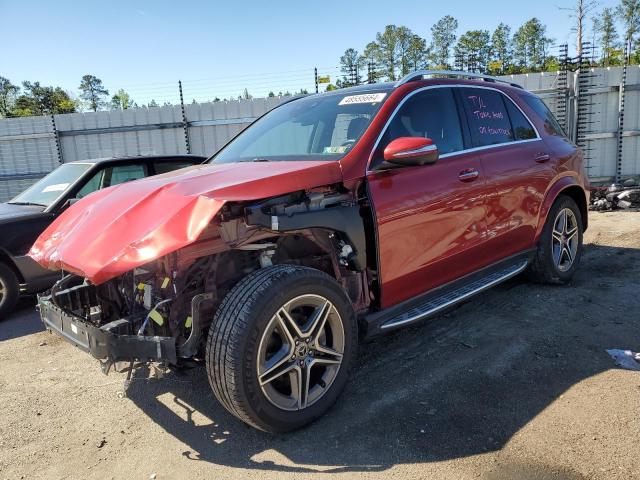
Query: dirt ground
point(515, 384)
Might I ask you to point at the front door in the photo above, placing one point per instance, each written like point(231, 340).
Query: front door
point(430, 218)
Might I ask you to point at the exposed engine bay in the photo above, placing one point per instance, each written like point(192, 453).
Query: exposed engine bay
point(177, 295)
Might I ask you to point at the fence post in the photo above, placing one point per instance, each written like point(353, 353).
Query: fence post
point(185, 124)
point(56, 137)
point(621, 95)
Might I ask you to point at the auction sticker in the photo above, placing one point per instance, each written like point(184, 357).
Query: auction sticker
point(58, 187)
point(364, 98)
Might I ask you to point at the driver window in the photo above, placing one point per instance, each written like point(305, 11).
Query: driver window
point(94, 183)
point(429, 114)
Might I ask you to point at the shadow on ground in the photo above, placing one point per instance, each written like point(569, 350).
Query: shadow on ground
point(459, 385)
point(22, 322)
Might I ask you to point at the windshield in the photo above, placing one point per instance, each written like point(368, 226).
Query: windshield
point(47, 190)
point(319, 127)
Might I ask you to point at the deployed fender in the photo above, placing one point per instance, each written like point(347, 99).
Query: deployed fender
point(561, 185)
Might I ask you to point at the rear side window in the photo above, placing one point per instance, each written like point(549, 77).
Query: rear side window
point(488, 117)
point(551, 125)
point(429, 114)
point(125, 173)
point(522, 129)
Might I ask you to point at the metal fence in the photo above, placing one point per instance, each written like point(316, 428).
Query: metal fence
point(600, 108)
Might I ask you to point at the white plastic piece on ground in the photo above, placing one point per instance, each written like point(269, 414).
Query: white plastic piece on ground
point(625, 359)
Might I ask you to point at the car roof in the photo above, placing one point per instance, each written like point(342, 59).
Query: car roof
point(146, 158)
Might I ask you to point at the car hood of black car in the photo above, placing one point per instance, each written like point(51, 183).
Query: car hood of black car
point(10, 212)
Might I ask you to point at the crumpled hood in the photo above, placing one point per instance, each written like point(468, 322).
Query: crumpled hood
point(117, 229)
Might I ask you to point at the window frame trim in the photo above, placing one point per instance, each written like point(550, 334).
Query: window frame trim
point(462, 120)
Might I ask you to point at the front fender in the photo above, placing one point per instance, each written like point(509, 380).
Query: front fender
point(562, 184)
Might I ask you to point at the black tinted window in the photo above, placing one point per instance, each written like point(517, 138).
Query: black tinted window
point(429, 114)
point(522, 129)
point(164, 167)
point(488, 117)
point(551, 125)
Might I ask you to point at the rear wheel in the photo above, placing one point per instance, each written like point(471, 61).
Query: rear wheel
point(280, 347)
point(560, 247)
point(9, 290)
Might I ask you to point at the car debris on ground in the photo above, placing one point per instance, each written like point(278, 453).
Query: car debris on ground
point(625, 358)
point(624, 196)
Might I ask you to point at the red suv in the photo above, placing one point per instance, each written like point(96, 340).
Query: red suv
point(333, 218)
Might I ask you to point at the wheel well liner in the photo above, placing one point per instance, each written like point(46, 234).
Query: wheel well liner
point(345, 220)
point(578, 196)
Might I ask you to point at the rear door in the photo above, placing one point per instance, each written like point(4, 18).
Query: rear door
point(430, 219)
point(517, 166)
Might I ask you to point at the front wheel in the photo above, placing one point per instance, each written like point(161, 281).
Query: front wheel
point(560, 247)
point(281, 346)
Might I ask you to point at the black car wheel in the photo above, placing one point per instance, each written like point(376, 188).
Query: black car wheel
point(560, 247)
point(9, 290)
point(280, 347)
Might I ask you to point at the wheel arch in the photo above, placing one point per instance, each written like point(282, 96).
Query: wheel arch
point(570, 187)
point(8, 261)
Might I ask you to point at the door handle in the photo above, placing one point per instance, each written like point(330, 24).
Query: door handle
point(468, 175)
point(542, 157)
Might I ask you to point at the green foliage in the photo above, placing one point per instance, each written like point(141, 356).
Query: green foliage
point(530, 45)
point(472, 51)
point(39, 100)
point(501, 50)
point(8, 95)
point(372, 56)
point(417, 53)
point(629, 13)
point(387, 41)
point(93, 92)
point(122, 101)
point(443, 35)
point(351, 65)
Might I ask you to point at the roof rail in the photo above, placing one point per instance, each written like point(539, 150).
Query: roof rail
point(420, 74)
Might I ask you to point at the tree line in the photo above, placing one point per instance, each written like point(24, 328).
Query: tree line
point(397, 50)
point(394, 52)
point(32, 98)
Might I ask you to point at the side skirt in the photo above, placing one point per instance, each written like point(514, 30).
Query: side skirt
point(436, 301)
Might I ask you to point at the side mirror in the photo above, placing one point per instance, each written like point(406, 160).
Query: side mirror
point(409, 151)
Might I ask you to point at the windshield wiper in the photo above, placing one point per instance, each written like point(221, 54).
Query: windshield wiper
point(28, 204)
point(256, 160)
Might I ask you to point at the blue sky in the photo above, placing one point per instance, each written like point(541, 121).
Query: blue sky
point(219, 48)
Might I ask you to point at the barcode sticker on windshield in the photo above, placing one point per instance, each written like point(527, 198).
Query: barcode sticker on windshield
point(58, 187)
point(364, 98)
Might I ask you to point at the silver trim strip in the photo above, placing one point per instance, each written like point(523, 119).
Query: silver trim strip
point(456, 300)
point(451, 73)
point(473, 149)
point(408, 153)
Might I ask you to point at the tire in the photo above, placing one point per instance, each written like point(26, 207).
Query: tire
point(247, 346)
point(9, 290)
point(545, 267)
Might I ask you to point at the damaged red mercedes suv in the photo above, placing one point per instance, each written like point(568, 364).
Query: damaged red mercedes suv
point(331, 219)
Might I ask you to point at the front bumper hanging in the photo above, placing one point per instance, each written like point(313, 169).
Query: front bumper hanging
point(112, 342)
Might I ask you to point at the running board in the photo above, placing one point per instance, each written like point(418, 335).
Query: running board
point(434, 304)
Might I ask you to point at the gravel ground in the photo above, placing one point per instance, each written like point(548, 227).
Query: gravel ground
point(513, 385)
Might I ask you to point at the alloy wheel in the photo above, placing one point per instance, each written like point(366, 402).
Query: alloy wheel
point(564, 239)
point(300, 352)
